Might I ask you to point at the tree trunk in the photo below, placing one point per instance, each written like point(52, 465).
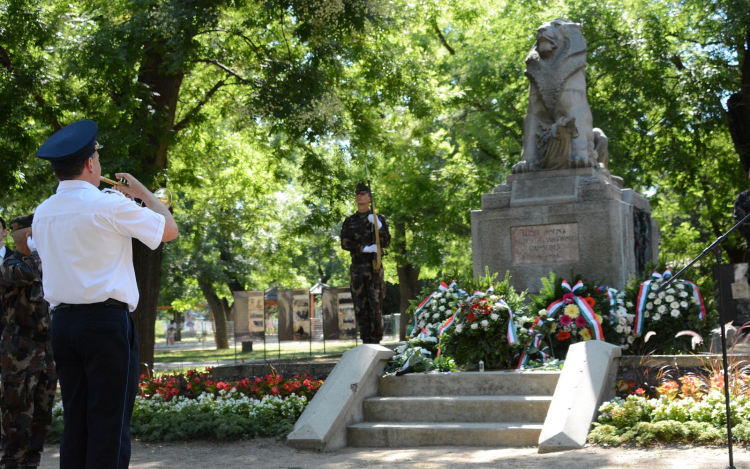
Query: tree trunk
point(220, 314)
point(147, 263)
point(147, 266)
point(408, 276)
point(738, 110)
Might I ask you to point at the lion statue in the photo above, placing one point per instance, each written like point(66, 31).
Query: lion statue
point(558, 129)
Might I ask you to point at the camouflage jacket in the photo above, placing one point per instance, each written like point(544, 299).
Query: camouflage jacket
point(22, 294)
point(357, 233)
point(741, 209)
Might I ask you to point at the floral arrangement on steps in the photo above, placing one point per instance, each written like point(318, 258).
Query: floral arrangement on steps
point(571, 312)
point(483, 327)
point(675, 320)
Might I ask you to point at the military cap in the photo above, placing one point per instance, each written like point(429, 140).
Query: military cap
point(71, 144)
point(20, 223)
point(362, 188)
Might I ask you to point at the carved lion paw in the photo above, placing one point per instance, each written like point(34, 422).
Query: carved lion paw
point(581, 162)
point(523, 167)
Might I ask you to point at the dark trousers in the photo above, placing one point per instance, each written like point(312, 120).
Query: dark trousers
point(96, 353)
point(368, 291)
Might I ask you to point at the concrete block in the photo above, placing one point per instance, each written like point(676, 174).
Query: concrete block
point(585, 381)
point(415, 434)
point(338, 403)
point(490, 383)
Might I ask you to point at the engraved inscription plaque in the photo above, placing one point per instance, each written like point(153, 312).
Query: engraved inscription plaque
point(545, 244)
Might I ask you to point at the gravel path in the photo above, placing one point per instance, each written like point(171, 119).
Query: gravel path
point(269, 453)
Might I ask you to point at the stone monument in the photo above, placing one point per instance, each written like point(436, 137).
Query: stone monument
point(560, 209)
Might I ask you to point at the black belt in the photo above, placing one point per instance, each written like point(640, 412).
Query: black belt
point(29, 332)
point(110, 303)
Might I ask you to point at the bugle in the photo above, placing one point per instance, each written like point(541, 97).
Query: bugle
point(163, 194)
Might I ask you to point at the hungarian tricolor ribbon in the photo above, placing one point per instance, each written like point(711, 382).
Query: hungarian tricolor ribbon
point(645, 289)
point(586, 309)
point(536, 342)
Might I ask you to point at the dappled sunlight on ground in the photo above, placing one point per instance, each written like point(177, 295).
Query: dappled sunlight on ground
point(268, 453)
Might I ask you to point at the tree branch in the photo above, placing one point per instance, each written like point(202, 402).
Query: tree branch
point(442, 38)
point(193, 112)
point(229, 71)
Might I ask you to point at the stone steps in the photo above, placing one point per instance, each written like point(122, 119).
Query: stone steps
point(411, 434)
point(490, 409)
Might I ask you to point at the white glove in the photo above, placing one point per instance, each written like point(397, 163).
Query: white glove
point(370, 248)
point(30, 244)
point(371, 219)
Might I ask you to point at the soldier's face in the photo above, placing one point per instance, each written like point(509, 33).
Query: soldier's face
point(363, 198)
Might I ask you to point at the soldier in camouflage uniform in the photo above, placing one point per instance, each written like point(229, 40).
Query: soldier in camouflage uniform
point(367, 284)
point(28, 376)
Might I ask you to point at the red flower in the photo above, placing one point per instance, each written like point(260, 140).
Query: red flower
point(580, 321)
point(563, 336)
point(274, 390)
point(565, 320)
point(640, 391)
point(471, 317)
point(568, 298)
point(591, 302)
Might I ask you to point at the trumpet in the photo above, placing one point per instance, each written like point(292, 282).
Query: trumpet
point(163, 194)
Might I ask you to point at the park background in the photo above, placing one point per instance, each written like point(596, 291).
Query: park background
point(260, 116)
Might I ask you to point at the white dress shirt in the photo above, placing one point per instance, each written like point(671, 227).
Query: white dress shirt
point(2, 252)
point(83, 237)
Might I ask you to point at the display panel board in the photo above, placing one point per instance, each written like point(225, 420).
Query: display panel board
point(347, 320)
point(249, 316)
point(331, 311)
point(294, 312)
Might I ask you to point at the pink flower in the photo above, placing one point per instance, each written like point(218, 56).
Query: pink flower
point(581, 321)
point(565, 320)
point(568, 298)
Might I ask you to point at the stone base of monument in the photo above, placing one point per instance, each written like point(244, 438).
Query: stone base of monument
point(582, 220)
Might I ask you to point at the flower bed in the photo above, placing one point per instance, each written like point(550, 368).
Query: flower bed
point(690, 408)
point(193, 406)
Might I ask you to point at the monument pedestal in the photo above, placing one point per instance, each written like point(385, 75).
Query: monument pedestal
point(561, 220)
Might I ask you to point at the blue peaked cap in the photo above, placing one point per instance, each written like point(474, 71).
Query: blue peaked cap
point(71, 144)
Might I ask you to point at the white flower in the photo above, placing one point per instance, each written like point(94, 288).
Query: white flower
point(669, 298)
point(619, 329)
point(442, 308)
point(657, 301)
point(652, 295)
point(662, 294)
point(494, 316)
point(684, 304)
point(485, 323)
point(671, 290)
point(493, 297)
point(680, 286)
point(626, 346)
point(542, 312)
point(438, 295)
point(523, 330)
point(631, 339)
point(674, 305)
point(436, 316)
point(459, 328)
point(474, 325)
point(628, 329)
point(443, 300)
point(675, 313)
point(646, 314)
point(657, 316)
point(629, 304)
point(622, 310)
point(695, 301)
point(649, 305)
point(661, 309)
point(683, 294)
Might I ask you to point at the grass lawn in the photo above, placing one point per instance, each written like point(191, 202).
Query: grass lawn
point(288, 350)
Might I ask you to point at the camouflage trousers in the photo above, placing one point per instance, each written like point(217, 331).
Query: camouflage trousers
point(368, 290)
point(28, 386)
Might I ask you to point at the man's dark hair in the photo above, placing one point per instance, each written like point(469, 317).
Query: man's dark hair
point(5, 227)
point(66, 173)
